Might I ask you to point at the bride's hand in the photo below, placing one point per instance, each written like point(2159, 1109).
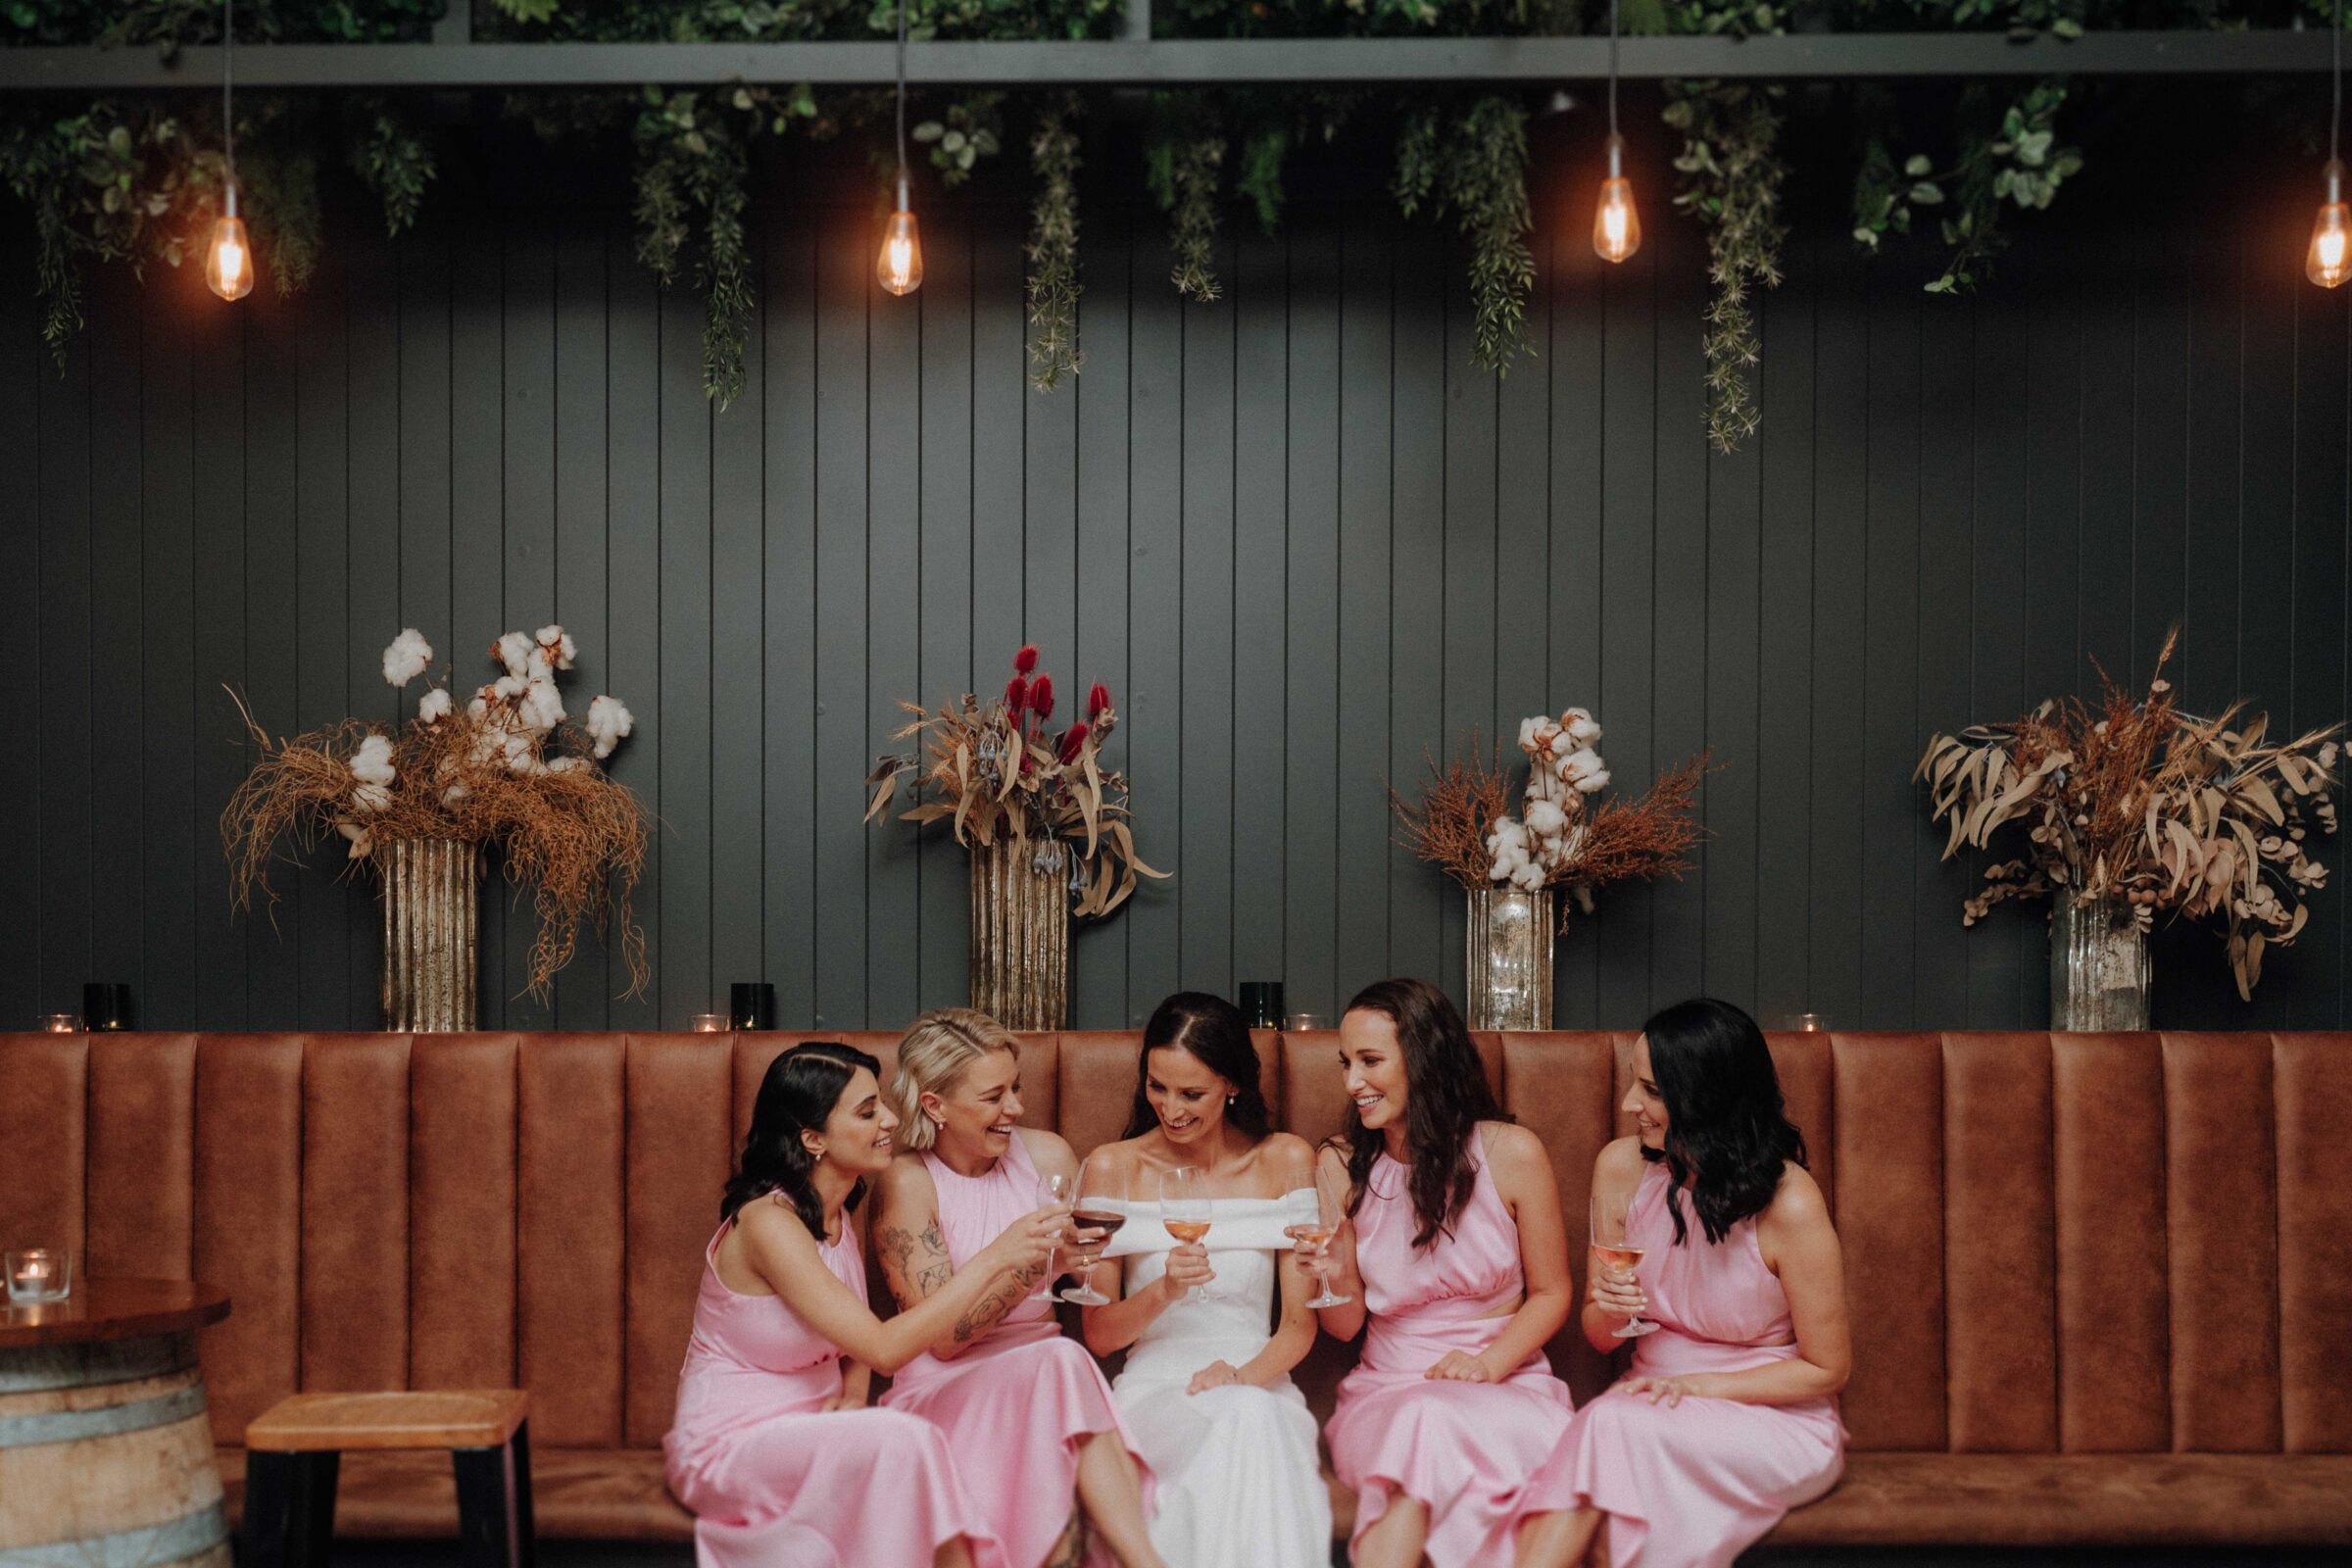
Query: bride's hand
point(1216, 1375)
point(1188, 1269)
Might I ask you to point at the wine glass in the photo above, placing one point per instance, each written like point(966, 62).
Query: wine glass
point(1614, 1247)
point(1091, 1209)
point(1306, 1178)
point(1184, 1205)
point(1053, 1191)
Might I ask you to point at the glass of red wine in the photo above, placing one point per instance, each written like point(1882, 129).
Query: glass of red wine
point(1097, 1215)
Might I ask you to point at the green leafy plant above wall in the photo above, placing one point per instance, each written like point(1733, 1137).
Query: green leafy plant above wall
point(136, 178)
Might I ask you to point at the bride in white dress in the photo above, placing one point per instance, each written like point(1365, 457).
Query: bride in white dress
point(1207, 1390)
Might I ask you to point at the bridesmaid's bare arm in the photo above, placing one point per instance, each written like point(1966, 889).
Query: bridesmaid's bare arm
point(916, 1265)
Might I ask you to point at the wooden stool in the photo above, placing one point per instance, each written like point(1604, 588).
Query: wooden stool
point(295, 1447)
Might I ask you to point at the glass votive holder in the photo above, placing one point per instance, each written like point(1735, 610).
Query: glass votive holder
point(39, 1274)
point(707, 1023)
point(61, 1023)
point(1807, 1023)
point(1300, 1023)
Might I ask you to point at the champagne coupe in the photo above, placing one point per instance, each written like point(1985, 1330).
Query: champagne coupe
point(1184, 1208)
point(1093, 1210)
point(1613, 1248)
point(1307, 1178)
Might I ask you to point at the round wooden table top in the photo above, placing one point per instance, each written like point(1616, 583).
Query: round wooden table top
point(111, 1309)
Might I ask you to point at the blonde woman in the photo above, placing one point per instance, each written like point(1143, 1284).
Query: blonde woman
point(1026, 1412)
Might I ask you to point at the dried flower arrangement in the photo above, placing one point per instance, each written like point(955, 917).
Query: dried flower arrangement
point(1000, 770)
point(1462, 824)
point(509, 768)
point(2140, 803)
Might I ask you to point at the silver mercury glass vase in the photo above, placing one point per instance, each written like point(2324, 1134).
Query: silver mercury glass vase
point(2099, 972)
point(1509, 967)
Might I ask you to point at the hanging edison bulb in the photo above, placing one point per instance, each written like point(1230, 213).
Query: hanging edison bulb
point(228, 258)
point(1616, 225)
point(2329, 263)
point(900, 267)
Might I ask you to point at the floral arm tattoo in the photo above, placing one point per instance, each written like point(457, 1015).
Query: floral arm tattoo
point(915, 1264)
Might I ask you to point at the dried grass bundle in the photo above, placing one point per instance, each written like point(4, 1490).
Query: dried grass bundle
point(509, 770)
point(1002, 771)
point(1458, 809)
point(2137, 802)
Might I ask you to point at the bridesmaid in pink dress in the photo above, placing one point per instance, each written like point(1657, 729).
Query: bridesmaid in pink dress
point(1730, 1416)
point(1027, 1414)
point(771, 1447)
point(1457, 1253)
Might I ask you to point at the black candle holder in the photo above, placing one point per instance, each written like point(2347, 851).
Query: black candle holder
point(752, 1004)
point(1261, 1004)
point(105, 1007)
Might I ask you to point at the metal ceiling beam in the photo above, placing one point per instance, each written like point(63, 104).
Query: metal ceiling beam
point(1170, 63)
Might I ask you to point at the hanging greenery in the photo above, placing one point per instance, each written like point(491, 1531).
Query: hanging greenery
point(1183, 171)
point(973, 130)
point(391, 156)
point(1475, 162)
point(1053, 247)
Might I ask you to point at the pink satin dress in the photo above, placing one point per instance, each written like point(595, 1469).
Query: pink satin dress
point(775, 1479)
point(1695, 1485)
point(1462, 1449)
point(1015, 1406)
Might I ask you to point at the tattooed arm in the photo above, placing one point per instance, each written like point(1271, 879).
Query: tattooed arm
point(916, 1262)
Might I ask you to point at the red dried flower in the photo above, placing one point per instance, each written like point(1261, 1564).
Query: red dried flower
point(1073, 740)
point(1026, 659)
point(1097, 699)
point(1041, 697)
point(1016, 696)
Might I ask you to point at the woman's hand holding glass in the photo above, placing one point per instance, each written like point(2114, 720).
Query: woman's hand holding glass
point(1096, 1212)
point(1321, 1202)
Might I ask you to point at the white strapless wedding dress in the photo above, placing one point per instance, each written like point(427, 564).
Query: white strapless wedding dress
point(1238, 1481)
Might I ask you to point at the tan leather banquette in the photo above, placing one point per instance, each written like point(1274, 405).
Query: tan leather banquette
point(2101, 1284)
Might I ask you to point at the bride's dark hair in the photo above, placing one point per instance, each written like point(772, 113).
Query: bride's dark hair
point(798, 1092)
point(1212, 1030)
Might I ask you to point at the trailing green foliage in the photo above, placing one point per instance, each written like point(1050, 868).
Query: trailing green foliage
point(1053, 247)
point(1475, 162)
point(973, 130)
point(394, 162)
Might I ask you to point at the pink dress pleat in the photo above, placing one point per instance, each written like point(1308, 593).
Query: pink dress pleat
point(1015, 1406)
point(1695, 1485)
point(775, 1479)
point(1462, 1449)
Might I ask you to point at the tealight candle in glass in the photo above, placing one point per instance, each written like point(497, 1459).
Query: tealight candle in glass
point(39, 1274)
point(61, 1023)
point(707, 1023)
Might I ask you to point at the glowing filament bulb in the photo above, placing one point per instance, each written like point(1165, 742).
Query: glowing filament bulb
point(1616, 225)
point(900, 267)
point(228, 258)
point(2329, 263)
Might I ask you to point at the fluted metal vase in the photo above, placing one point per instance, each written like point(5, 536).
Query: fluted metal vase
point(1508, 973)
point(2099, 971)
point(1020, 960)
point(432, 933)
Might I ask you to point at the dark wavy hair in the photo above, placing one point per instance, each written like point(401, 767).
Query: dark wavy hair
point(1447, 1096)
point(798, 1095)
point(1728, 1132)
point(1212, 1029)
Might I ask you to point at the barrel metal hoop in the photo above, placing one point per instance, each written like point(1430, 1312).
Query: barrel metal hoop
point(67, 1426)
point(148, 1548)
point(77, 1366)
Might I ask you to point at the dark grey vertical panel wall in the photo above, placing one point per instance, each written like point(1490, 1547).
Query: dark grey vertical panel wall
point(1304, 542)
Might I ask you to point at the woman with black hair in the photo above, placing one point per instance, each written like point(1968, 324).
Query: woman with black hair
point(1729, 1418)
point(1206, 1388)
point(771, 1447)
point(1456, 1256)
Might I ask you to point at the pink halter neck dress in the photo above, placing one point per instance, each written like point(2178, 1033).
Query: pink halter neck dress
point(1462, 1449)
point(1016, 1405)
point(775, 1479)
point(1695, 1485)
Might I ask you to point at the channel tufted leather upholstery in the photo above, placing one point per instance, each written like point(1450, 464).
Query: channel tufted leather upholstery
point(2101, 1284)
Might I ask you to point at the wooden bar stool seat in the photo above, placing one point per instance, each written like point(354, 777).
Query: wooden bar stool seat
point(294, 1450)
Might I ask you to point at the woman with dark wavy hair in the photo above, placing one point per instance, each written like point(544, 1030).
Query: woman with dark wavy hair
point(771, 1447)
point(1455, 1255)
point(1729, 1418)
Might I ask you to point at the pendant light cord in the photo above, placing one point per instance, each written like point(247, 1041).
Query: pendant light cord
point(2336, 111)
point(1613, 64)
point(902, 101)
point(230, 122)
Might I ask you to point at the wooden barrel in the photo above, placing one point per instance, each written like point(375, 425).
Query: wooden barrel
point(106, 1457)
